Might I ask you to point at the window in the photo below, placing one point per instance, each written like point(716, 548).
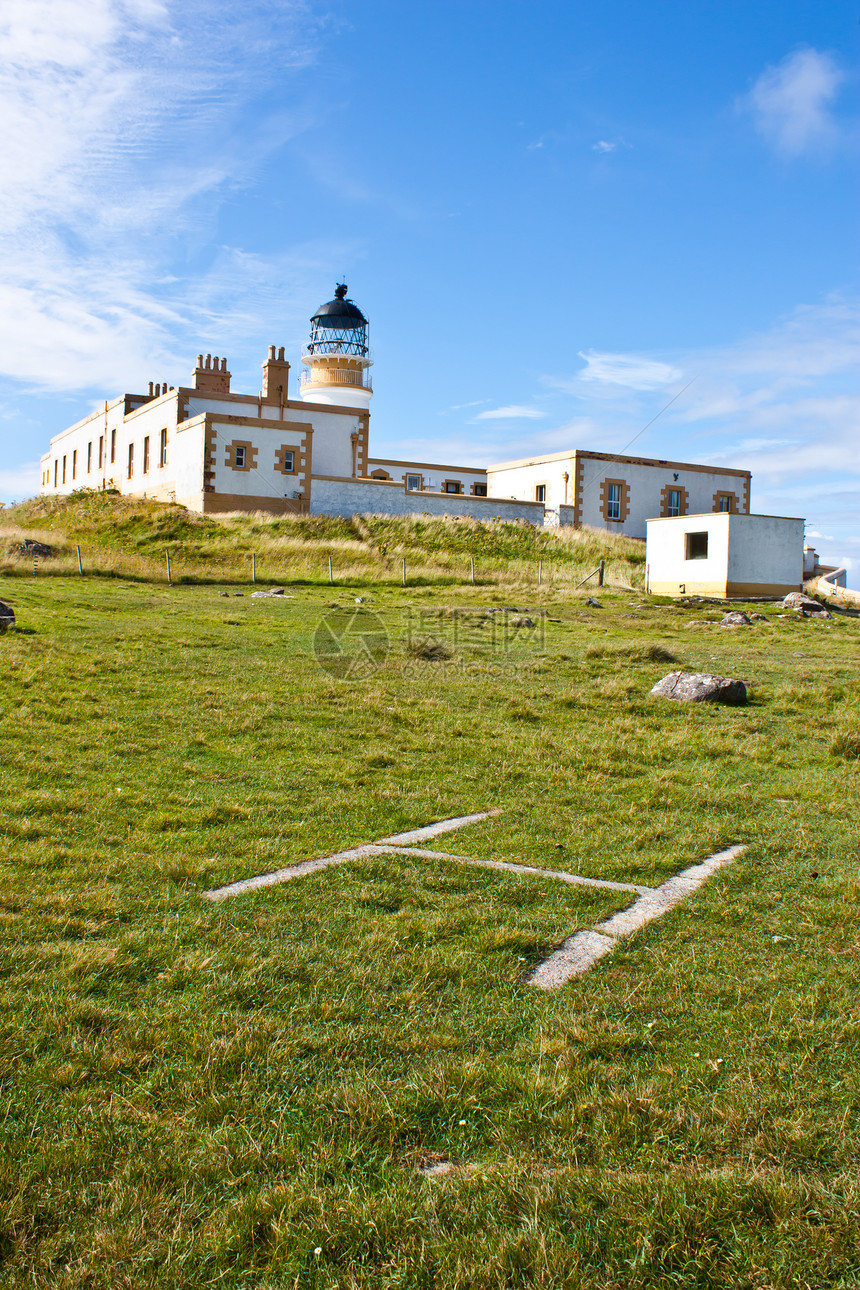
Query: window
point(289, 461)
point(75, 464)
point(379, 474)
point(113, 446)
point(56, 466)
point(451, 486)
point(413, 483)
point(696, 546)
point(613, 504)
point(89, 457)
point(130, 460)
point(725, 503)
point(146, 455)
point(101, 450)
point(162, 450)
point(479, 490)
point(540, 493)
point(64, 470)
point(673, 502)
point(239, 459)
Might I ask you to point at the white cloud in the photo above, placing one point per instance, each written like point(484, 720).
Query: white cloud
point(791, 103)
point(603, 145)
point(630, 370)
point(118, 135)
point(511, 412)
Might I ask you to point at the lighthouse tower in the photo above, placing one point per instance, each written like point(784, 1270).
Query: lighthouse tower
point(337, 357)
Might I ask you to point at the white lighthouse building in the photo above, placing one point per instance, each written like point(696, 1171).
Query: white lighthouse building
point(337, 358)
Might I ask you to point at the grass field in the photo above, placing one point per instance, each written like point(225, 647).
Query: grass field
point(243, 1094)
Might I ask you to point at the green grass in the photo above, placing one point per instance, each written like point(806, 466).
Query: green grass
point(200, 1095)
point(128, 537)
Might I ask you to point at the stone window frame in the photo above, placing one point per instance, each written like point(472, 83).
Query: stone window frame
point(413, 474)
point(624, 500)
point(281, 459)
point(474, 489)
point(250, 455)
point(733, 508)
point(664, 500)
point(456, 491)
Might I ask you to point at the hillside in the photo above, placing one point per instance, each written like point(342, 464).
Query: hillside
point(129, 537)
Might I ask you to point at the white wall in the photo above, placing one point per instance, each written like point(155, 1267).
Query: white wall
point(646, 482)
point(747, 555)
point(520, 479)
point(361, 497)
point(433, 475)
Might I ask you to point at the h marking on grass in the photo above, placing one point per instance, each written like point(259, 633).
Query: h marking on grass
point(579, 952)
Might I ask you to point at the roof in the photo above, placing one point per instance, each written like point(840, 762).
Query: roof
point(340, 314)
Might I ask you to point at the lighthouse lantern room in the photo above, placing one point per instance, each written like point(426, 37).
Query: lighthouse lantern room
point(337, 357)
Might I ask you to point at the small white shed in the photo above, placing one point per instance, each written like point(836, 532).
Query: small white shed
point(724, 554)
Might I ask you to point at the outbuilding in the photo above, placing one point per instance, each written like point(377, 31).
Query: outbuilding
point(724, 555)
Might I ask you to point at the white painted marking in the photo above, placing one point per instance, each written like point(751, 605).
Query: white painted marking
point(573, 878)
point(582, 950)
point(382, 847)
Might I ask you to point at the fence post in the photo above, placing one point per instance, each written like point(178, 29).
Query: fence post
point(80, 562)
point(472, 568)
point(167, 554)
point(540, 572)
point(600, 574)
point(253, 566)
point(404, 571)
point(330, 578)
point(35, 564)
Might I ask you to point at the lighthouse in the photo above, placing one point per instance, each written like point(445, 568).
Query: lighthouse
point(337, 357)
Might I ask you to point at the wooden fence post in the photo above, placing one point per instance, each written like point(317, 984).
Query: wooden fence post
point(167, 554)
point(472, 568)
point(253, 566)
point(600, 575)
point(80, 562)
point(330, 578)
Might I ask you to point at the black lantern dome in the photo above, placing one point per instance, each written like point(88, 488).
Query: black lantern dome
point(339, 327)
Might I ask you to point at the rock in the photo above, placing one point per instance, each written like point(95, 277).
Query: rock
point(29, 547)
point(361, 600)
point(797, 600)
point(595, 604)
point(238, 593)
point(7, 616)
point(260, 595)
point(758, 618)
point(700, 687)
point(735, 619)
point(276, 591)
point(223, 593)
point(523, 622)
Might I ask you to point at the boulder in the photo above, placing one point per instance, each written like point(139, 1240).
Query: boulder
point(758, 618)
point(523, 622)
point(798, 601)
point(735, 619)
point(700, 687)
point(7, 616)
point(595, 604)
point(31, 547)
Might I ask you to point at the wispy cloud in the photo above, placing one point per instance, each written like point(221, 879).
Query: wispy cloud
point(631, 370)
point(792, 103)
point(603, 145)
point(513, 411)
point(118, 134)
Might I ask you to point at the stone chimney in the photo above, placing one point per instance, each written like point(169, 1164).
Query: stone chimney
point(276, 371)
point(211, 376)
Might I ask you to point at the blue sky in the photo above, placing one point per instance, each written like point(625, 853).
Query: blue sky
point(555, 215)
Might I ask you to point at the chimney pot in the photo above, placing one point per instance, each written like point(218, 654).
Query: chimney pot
point(150, 389)
point(271, 353)
point(281, 354)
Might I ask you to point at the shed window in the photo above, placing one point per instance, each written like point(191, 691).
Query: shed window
point(697, 546)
